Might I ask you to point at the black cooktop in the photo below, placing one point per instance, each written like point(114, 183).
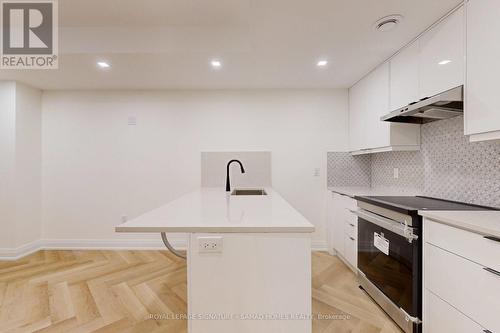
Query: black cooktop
point(415, 203)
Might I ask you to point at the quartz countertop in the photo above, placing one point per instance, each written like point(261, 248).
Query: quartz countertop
point(484, 222)
point(353, 191)
point(214, 210)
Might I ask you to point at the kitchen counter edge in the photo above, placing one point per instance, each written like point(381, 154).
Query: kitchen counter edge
point(486, 223)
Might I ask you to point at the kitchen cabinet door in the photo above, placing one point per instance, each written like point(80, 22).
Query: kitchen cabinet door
point(440, 317)
point(351, 251)
point(447, 273)
point(351, 232)
point(482, 105)
point(404, 77)
point(357, 105)
point(337, 224)
point(368, 101)
point(442, 53)
point(376, 133)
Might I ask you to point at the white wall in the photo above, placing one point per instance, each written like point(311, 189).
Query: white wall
point(28, 164)
point(257, 165)
point(20, 165)
point(7, 162)
point(97, 168)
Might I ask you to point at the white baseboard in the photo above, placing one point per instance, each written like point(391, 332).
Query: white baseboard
point(89, 244)
point(111, 244)
point(107, 244)
point(319, 245)
point(21, 251)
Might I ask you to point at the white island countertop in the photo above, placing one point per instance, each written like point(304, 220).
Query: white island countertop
point(214, 210)
point(484, 222)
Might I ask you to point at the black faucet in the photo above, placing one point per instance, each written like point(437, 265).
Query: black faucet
point(228, 182)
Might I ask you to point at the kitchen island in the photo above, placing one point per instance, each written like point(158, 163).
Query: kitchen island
point(248, 259)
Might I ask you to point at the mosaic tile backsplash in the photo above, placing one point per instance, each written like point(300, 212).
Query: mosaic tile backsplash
point(448, 166)
point(345, 169)
point(410, 166)
point(457, 169)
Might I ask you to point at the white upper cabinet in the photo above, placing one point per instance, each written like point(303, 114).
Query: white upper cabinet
point(404, 77)
point(356, 110)
point(482, 103)
point(376, 134)
point(442, 53)
point(368, 101)
point(430, 65)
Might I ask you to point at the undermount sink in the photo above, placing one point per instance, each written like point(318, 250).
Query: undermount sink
point(249, 192)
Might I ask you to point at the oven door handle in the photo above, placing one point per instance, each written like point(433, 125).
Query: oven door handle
point(414, 320)
point(391, 225)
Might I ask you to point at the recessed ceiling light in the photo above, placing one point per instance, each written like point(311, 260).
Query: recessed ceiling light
point(216, 63)
point(322, 63)
point(444, 62)
point(103, 64)
point(388, 23)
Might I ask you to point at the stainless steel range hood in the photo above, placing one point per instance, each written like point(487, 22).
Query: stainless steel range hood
point(441, 106)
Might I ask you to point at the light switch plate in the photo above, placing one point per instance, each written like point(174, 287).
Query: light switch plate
point(316, 172)
point(210, 244)
point(132, 121)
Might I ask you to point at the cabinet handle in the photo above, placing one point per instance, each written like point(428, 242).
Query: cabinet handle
point(493, 238)
point(352, 225)
point(487, 331)
point(354, 240)
point(492, 271)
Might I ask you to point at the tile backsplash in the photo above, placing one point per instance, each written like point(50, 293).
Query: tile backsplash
point(448, 166)
point(345, 169)
point(410, 165)
point(457, 169)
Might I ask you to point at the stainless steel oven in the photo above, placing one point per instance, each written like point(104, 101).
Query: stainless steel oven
point(390, 252)
point(390, 263)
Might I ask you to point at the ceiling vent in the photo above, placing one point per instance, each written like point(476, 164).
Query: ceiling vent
point(388, 23)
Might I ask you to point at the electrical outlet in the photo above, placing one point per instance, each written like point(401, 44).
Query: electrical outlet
point(396, 173)
point(210, 244)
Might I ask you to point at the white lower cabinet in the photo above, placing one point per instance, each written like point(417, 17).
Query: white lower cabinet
point(467, 281)
point(336, 239)
point(440, 317)
point(464, 243)
point(351, 250)
point(343, 225)
point(464, 284)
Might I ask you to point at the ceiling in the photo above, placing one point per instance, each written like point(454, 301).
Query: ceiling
point(168, 44)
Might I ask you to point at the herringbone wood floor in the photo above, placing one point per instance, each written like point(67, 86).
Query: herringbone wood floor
point(115, 291)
